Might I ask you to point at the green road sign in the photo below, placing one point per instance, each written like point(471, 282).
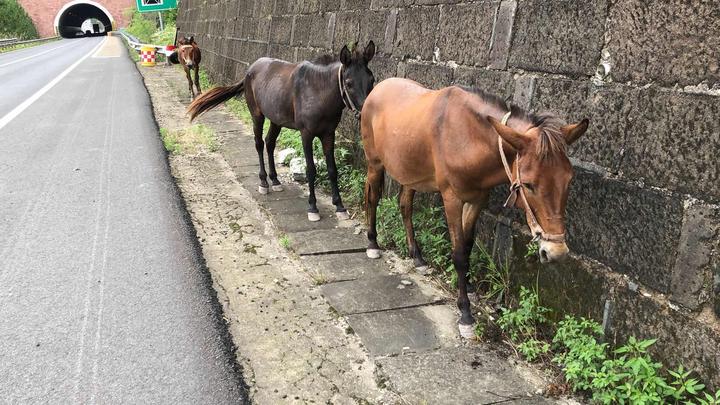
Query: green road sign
point(146, 6)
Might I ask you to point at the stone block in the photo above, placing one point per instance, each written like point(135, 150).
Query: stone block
point(281, 52)
point(382, 4)
point(372, 294)
point(697, 251)
point(281, 30)
point(492, 379)
point(673, 141)
point(430, 76)
point(301, 30)
point(631, 229)
point(465, 32)
point(502, 34)
point(372, 27)
point(320, 36)
point(491, 81)
point(415, 34)
point(665, 41)
point(558, 36)
point(347, 29)
point(263, 8)
point(383, 67)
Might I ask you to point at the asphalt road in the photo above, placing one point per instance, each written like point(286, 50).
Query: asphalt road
point(103, 297)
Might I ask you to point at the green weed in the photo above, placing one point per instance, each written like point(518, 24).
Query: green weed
point(285, 242)
point(170, 141)
point(522, 323)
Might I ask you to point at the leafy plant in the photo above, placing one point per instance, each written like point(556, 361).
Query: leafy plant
point(627, 375)
point(497, 277)
point(532, 249)
point(521, 324)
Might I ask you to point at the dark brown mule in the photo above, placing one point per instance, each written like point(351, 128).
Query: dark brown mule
point(307, 96)
point(448, 141)
point(189, 56)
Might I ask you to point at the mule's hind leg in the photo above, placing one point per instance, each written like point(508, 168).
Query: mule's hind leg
point(310, 172)
point(406, 209)
point(328, 144)
point(373, 192)
point(460, 257)
point(270, 141)
point(258, 123)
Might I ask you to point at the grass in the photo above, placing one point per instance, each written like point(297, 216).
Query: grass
point(193, 139)
point(285, 242)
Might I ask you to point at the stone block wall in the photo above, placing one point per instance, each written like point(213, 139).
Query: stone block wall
point(643, 215)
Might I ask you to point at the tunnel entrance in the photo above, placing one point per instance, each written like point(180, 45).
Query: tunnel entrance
point(83, 18)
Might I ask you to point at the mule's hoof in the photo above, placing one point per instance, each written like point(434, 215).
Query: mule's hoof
point(373, 253)
point(313, 216)
point(263, 190)
point(277, 187)
point(342, 215)
point(467, 331)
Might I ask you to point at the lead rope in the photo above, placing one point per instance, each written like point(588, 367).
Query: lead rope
point(344, 94)
point(516, 188)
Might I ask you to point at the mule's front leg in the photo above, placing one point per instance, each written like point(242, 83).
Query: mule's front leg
point(373, 192)
point(197, 79)
point(190, 83)
point(311, 172)
point(328, 144)
point(461, 260)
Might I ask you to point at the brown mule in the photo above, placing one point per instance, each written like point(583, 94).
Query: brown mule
point(449, 141)
point(189, 56)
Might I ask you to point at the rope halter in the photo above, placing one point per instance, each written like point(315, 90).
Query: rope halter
point(346, 96)
point(518, 189)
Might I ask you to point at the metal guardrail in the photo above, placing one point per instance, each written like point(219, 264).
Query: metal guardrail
point(7, 41)
point(135, 44)
point(30, 41)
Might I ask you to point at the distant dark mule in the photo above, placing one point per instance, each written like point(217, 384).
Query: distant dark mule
point(451, 141)
point(307, 96)
point(188, 54)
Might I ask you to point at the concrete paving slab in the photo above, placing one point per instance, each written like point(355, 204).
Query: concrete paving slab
point(375, 294)
point(323, 241)
point(344, 266)
point(460, 375)
point(405, 330)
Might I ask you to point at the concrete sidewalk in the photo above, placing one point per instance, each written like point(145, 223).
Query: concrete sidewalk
point(405, 325)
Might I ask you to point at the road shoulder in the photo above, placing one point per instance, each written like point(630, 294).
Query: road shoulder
point(314, 320)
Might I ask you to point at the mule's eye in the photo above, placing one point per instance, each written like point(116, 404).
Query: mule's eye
point(348, 82)
point(529, 187)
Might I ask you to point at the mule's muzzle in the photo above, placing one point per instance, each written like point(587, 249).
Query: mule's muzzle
point(552, 251)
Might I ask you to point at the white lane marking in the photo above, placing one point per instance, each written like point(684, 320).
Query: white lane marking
point(25, 104)
point(37, 54)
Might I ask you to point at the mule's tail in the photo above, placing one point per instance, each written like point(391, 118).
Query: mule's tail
point(213, 98)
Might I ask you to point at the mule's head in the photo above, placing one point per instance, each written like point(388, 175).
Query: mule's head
point(357, 79)
point(187, 40)
point(544, 172)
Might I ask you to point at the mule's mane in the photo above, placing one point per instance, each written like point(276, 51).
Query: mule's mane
point(551, 140)
point(326, 59)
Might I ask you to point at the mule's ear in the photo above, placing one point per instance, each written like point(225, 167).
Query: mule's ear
point(574, 131)
point(345, 56)
point(191, 39)
point(517, 140)
point(369, 51)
